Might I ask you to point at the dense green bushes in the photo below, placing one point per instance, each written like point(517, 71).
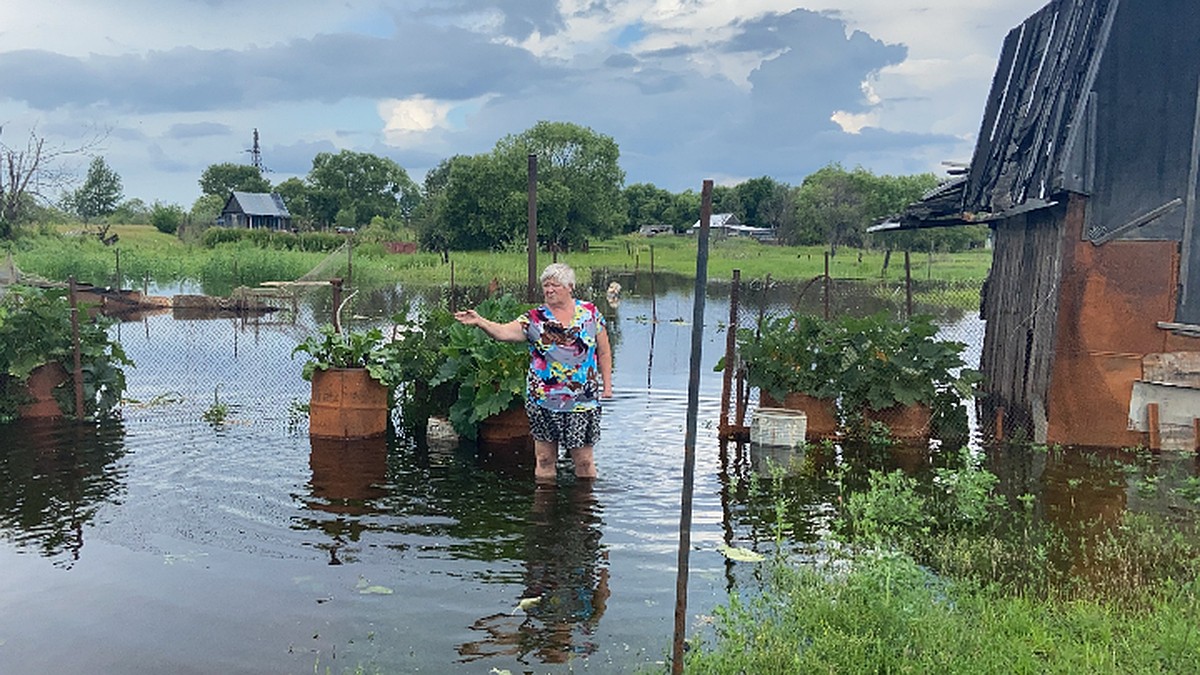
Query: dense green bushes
point(274, 239)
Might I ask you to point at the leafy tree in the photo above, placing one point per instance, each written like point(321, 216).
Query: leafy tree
point(221, 179)
point(481, 202)
point(725, 199)
point(359, 186)
point(205, 211)
point(765, 202)
point(645, 204)
point(830, 208)
point(295, 195)
point(686, 210)
point(579, 180)
point(100, 192)
point(480, 207)
point(166, 217)
point(131, 212)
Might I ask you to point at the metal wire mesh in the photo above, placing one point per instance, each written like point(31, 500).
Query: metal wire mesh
point(954, 307)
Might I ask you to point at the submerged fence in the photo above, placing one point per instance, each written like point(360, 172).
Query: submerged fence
point(953, 307)
point(239, 359)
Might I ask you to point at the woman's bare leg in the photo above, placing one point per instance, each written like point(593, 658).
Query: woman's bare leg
point(585, 463)
point(546, 454)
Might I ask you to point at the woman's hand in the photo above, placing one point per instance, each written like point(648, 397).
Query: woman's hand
point(468, 316)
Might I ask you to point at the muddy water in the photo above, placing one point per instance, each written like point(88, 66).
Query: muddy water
point(168, 543)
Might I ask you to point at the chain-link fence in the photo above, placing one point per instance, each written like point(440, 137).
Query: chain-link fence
point(231, 362)
point(952, 305)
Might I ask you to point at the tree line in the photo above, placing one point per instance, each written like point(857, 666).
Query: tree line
point(479, 202)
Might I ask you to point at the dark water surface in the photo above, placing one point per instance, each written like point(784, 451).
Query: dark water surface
point(168, 544)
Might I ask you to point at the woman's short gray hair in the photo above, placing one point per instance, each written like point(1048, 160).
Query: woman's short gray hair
point(559, 272)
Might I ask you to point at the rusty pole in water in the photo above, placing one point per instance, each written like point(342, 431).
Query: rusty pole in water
point(77, 371)
point(531, 236)
point(689, 442)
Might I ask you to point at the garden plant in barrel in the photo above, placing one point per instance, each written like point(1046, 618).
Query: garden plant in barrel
point(853, 372)
point(899, 374)
point(37, 358)
point(353, 377)
point(488, 377)
point(795, 362)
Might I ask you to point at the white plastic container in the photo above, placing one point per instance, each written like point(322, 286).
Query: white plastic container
point(778, 427)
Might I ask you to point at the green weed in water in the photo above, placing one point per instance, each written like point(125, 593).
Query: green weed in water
point(947, 578)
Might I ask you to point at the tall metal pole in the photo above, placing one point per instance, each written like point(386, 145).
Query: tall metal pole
point(730, 354)
point(77, 359)
point(531, 282)
point(689, 441)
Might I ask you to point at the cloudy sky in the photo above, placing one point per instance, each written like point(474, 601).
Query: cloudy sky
point(689, 89)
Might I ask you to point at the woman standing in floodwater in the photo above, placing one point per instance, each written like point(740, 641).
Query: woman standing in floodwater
point(570, 370)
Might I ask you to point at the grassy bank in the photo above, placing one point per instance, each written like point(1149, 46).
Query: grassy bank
point(145, 252)
point(949, 578)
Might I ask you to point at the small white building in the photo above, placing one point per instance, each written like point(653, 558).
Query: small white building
point(727, 225)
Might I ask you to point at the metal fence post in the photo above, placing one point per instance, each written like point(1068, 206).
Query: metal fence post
point(76, 356)
point(689, 443)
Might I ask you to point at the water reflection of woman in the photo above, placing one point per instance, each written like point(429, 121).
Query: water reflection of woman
point(566, 583)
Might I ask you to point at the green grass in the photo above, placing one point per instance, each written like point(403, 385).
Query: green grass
point(949, 578)
point(164, 258)
point(890, 615)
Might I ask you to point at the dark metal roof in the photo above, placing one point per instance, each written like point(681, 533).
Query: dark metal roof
point(1029, 147)
point(257, 204)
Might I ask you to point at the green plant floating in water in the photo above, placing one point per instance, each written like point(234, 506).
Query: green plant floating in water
point(218, 411)
point(740, 554)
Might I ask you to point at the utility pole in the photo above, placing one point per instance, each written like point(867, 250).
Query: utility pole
point(256, 154)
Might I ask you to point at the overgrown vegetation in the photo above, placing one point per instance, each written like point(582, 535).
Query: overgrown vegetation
point(947, 576)
point(164, 259)
point(35, 330)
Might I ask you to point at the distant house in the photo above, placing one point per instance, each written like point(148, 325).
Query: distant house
point(255, 210)
point(655, 230)
point(1086, 170)
point(728, 225)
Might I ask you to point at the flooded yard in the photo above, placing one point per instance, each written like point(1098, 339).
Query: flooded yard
point(168, 543)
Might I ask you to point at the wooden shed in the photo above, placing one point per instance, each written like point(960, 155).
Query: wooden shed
point(255, 210)
point(1086, 169)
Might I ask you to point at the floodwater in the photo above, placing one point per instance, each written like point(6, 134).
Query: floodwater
point(165, 543)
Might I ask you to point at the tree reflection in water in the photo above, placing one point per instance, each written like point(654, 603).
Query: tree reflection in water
point(54, 477)
point(566, 570)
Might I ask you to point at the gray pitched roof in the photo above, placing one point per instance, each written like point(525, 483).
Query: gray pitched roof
point(258, 204)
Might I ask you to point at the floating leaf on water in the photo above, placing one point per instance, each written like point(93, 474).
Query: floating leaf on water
point(525, 604)
point(497, 671)
point(376, 590)
point(740, 554)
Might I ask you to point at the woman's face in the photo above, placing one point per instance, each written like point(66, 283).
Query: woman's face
point(554, 292)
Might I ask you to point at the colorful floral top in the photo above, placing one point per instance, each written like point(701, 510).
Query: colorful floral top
point(563, 373)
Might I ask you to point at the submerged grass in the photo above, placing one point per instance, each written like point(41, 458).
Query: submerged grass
point(948, 577)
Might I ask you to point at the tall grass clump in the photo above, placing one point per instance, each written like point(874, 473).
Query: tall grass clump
point(947, 576)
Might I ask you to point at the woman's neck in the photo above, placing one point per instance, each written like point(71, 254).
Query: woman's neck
point(562, 306)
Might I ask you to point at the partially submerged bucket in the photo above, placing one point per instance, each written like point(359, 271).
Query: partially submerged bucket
point(778, 427)
point(347, 403)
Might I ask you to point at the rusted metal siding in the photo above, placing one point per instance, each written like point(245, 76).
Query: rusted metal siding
point(1110, 300)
